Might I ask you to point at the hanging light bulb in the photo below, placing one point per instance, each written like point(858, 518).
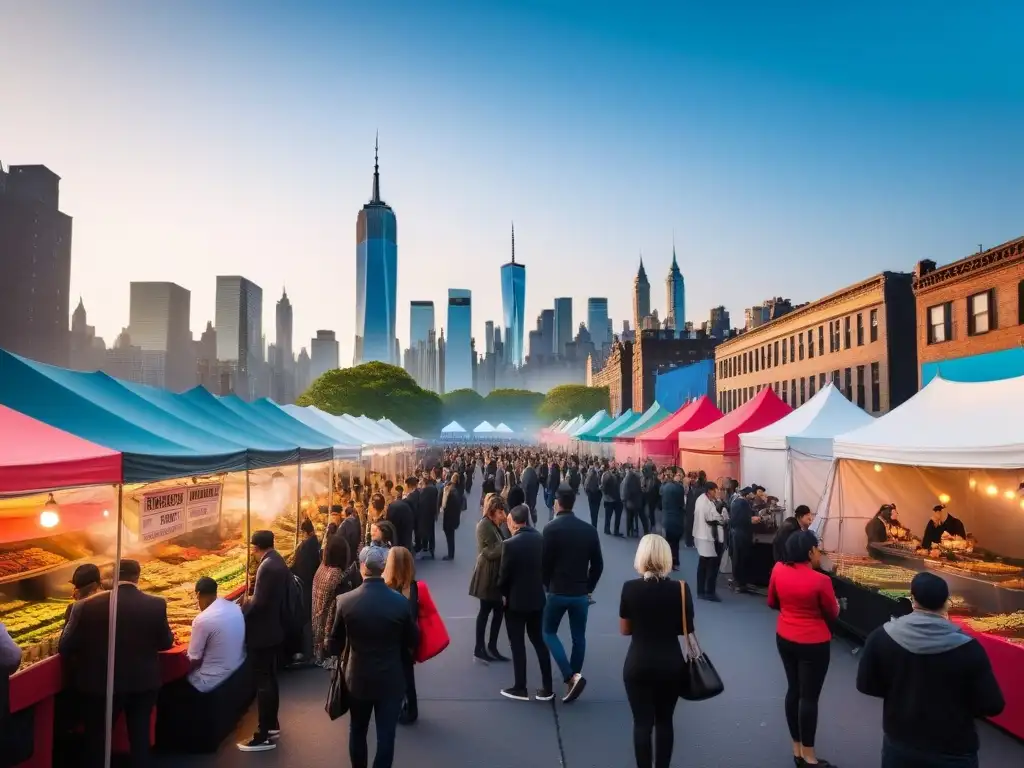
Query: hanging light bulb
point(1010, 494)
point(49, 517)
point(943, 498)
point(973, 483)
point(878, 467)
point(992, 491)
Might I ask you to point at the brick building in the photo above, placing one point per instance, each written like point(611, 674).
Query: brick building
point(617, 375)
point(970, 308)
point(655, 351)
point(862, 337)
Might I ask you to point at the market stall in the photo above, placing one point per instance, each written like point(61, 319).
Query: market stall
point(591, 442)
point(453, 431)
point(793, 457)
point(661, 443)
point(715, 449)
point(951, 462)
point(624, 443)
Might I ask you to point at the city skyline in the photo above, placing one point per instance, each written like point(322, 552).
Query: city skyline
point(762, 157)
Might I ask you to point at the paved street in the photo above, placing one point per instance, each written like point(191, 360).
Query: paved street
point(464, 723)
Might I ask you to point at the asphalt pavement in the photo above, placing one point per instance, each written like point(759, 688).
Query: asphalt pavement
point(465, 723)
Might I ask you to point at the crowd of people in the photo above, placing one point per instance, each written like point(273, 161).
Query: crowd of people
point(350, 601)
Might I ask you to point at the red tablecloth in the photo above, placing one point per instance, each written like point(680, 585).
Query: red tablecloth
point(1008, 665)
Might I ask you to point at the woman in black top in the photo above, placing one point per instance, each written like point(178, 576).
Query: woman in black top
point(651, 612)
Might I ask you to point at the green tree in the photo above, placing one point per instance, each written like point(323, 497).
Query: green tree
point(464, 406)
point(570, 400)
point(377, 390)
point(516, 407)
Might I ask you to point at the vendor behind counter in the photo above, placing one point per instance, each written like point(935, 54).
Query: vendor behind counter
point(941, 523)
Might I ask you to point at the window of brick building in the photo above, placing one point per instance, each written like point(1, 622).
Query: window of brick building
point(876, 389)
point(810, 386)
point(768, 354)
point(835, 380)
point(873, 322)
point(860, 329)
point(792, 350)
point(981, 313)
point(792, 387)
point(940, 322)
point(776, 355)
point(810, 343)
point(821, 339)
point(848, 376)
point(803, 391)
point(801, 345)
point(835, 336)
point(822, 380)
point(846, 332)
point(860, 386)
point(762, 359)
point(785, 353)
point(785, 392)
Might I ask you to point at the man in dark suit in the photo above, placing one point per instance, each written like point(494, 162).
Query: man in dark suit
point(373, 627)
point(264, 636)
point(554, 480)
point(531, 486)
point(304, 566)
point(522, 591)
point(400, 515)
point(427, 512)
point(673, 512)
point(142, 632)
point(412, 498)
point(352, 531)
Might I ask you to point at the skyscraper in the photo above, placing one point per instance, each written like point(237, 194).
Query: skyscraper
point(597, 321)
point(641, 296)
point(376, 277)
point(283, 360)
point(239, 325)
point(675, 295)
point(546, 326)
point(158, 323)
point(421, 322)
point(513, 304)
point(563, 325)
point(458, 359)
point(324, 354)
point(489, 337)
point(35, 265)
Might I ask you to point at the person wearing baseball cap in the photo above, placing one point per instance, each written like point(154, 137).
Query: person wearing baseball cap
point(935, 681)
point(373, 627)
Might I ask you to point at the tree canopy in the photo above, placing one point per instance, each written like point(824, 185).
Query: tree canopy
point(516, 407)
point(569, 400)
point(377, 390)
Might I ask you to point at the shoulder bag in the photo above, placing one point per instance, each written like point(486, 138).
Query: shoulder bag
point(699, 679)
point(434, 636)
point(337, 693)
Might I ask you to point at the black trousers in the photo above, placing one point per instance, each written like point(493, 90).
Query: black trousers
point(707, 572)
point(688, 527)
point(741, 548)
point(487, 608)
point(449, 537)
point(385, 713)
point(653, 703)
point(412, 709)
point(806, 665)
point(672, 536)
point(519, 626)
point(633, 515)
point(268, 697)
point(138, 712)
point(612, 509)
point(595, 506)
point(426, 536)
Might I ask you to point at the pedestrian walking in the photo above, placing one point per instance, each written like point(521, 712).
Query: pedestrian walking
point(571, 568)
point(806, 603)
point(522, 591)
point(484, 583)
point(709, 538)
point(452, 504)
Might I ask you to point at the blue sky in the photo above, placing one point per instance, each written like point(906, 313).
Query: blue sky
point(791, 148)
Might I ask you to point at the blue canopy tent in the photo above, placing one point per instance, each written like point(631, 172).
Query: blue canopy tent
point(264, 449)
point(156, 445)
point(271, 418)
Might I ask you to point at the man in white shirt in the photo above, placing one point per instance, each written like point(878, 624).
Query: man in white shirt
point(217, 647)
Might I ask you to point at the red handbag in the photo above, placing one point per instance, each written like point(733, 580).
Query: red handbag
point(433, 633)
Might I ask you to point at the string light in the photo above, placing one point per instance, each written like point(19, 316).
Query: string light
point(973, 483)
point(992, 490)
point(1010, 494)
point(943, 498)
point(50, 517)
point(878, 467)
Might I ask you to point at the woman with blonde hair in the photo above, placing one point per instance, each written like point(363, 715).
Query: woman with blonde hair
point(400, 575)
point(651, 614)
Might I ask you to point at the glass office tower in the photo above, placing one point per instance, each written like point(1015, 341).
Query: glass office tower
point(597, 321)
point(513, 304)
point(563, 325)
point(376, 278)
point(239, 322)
point(458, 360)
point(421, 322)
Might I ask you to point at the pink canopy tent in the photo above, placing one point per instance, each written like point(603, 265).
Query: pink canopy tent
point(661, 443)
point(37, 457)
point(716, 448)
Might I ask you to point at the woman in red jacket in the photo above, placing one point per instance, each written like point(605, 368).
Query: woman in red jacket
point(806, 603)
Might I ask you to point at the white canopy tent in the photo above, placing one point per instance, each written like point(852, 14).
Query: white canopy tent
point(453, 430)
point(326, 423)
point(570, 425)
point(397, 430)
point(484, 428)
point(956, 443)
point(503, 429)
point(793, 456)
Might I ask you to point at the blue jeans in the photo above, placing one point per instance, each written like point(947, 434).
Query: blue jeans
point(895, 755)
point(385, 713)
point(577, 607)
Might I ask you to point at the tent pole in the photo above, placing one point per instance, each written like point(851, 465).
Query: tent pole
point(298, 505)
point(108, 719)
point(248, 534)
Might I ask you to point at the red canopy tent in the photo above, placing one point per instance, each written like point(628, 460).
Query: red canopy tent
point(660, 443)
point(716, 448)
point(37, 457)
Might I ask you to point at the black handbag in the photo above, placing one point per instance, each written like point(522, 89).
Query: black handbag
point(337, 695)
point(699, 679)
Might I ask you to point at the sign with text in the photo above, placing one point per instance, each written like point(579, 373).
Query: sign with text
point(171, 512)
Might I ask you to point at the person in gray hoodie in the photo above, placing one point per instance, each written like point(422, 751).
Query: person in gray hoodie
point(934, 679)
